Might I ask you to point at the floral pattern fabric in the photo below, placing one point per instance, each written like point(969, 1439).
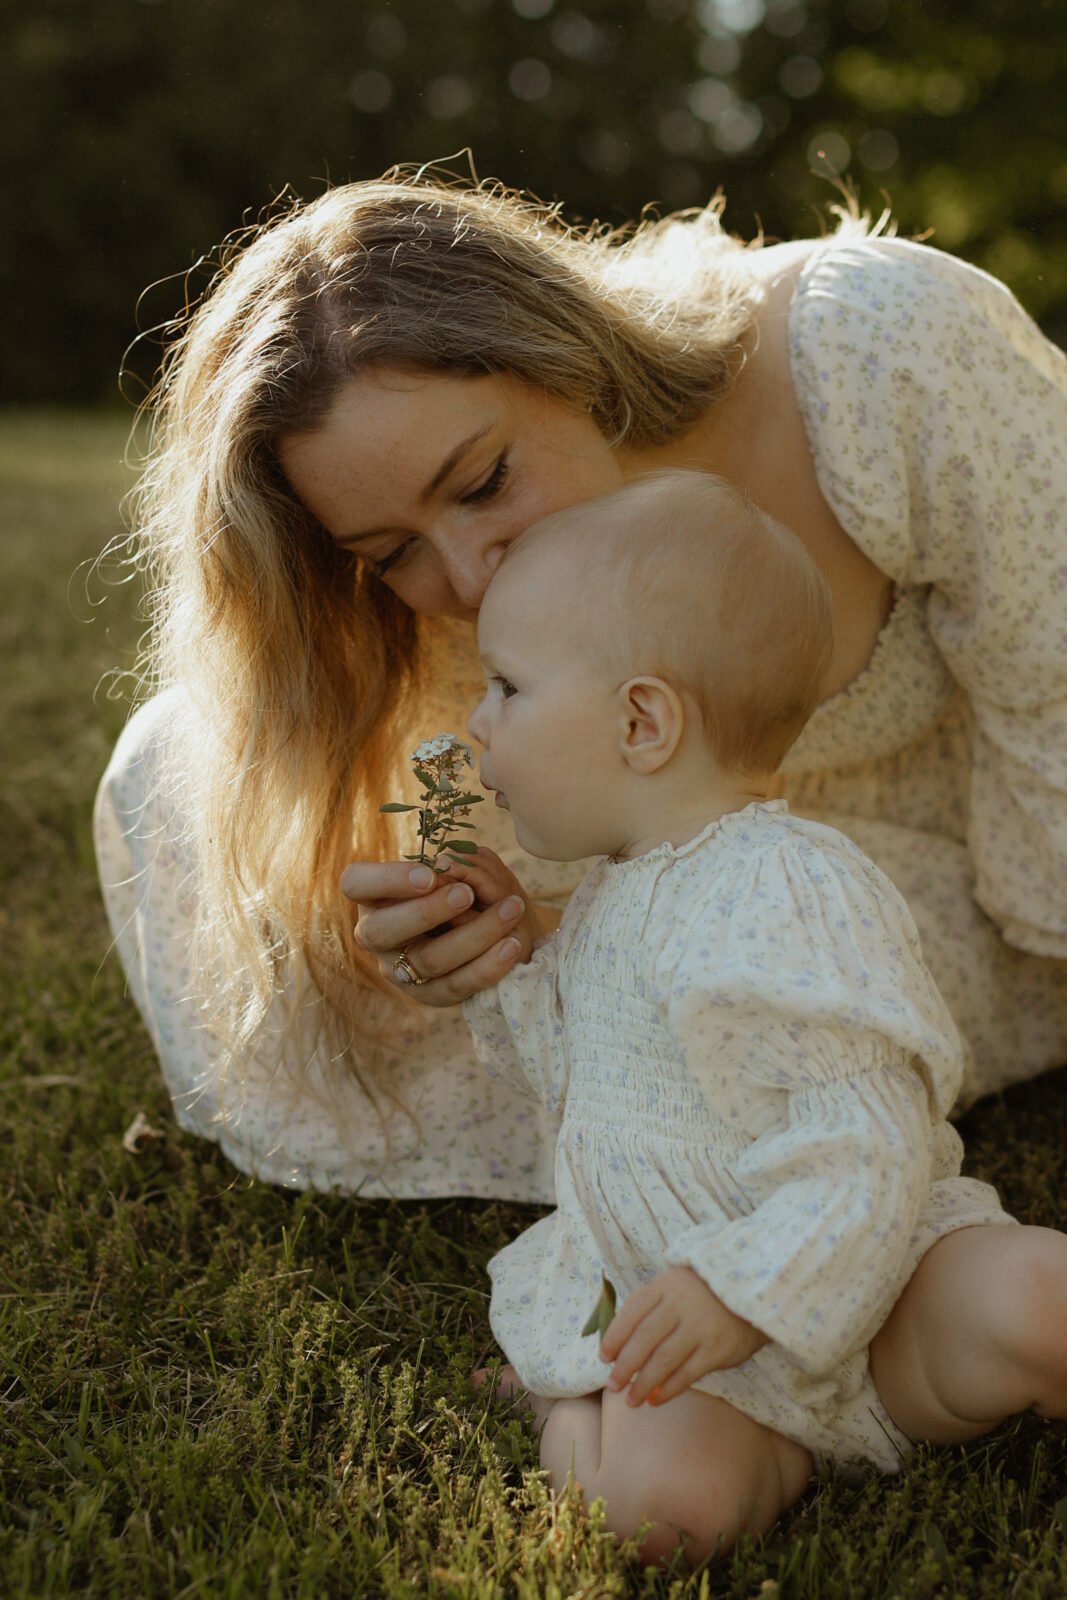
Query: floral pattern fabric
point(753, 1068)
point(936, 414)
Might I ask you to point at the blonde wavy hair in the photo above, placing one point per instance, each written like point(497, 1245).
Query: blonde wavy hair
point(298, 665)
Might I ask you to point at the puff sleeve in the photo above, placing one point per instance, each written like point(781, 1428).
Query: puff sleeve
point(808, 1008)
point(937, 415)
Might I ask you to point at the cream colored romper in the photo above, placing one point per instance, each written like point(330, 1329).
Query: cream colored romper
point(753, 1067)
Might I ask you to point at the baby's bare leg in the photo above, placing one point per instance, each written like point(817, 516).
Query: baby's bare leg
point(979, 1334)
point(697, 1469)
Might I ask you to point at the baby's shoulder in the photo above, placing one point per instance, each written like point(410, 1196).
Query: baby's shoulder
point(785, 888)
point(769, 848)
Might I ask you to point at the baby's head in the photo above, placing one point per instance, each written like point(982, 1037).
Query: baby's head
point(676, 579)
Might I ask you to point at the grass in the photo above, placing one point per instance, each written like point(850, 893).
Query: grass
point(213, 1388)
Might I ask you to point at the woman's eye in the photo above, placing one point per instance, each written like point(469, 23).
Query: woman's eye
point(506, 688)
point(492, 485)
point(382, 565)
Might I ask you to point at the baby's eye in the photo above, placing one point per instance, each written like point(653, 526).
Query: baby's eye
point(507, 689)
point(382, 565)
point(492, 485)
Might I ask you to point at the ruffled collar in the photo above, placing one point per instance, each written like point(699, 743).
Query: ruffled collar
point(728, 823)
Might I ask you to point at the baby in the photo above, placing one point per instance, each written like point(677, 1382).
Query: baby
point(752, 1064)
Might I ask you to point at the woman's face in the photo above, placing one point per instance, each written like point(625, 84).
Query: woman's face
point(428, 477)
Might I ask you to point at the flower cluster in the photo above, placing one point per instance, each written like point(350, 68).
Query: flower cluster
point(438, 765)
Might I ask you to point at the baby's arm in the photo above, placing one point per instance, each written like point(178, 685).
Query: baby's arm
point(670, 1332)
point(517, 1027)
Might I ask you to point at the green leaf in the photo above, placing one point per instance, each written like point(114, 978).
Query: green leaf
point(604, 1310)
point(466, 847)
point(394, 805)
point(466, 799)
point(427, 779)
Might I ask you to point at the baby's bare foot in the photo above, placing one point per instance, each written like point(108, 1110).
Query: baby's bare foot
point(508, 1386)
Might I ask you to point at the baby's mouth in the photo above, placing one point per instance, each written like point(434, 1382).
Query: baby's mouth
point(499, 797)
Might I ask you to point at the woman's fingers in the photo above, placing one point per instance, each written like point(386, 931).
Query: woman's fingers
point(458, 931)
point(370, 881)
point(472, 956)
point(461, 982)
point(391, 925)
point(399, 902)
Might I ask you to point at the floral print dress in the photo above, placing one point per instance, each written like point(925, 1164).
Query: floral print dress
point(937, 417)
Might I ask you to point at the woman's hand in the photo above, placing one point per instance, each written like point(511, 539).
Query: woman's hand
point(459, 931)
point(670, 1332)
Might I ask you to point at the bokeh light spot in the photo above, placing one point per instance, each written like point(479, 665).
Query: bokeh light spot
point(529, 79)
point(370, 91)
point(829, 151)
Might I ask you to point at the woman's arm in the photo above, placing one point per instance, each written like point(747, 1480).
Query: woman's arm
point(938, 418)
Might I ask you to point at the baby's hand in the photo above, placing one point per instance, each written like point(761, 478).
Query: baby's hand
point(671, 1332)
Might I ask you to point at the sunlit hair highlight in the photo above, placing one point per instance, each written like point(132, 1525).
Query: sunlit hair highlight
point(296, 665)
point(681, 576)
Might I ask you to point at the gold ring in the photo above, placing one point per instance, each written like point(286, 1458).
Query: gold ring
point(404, 972)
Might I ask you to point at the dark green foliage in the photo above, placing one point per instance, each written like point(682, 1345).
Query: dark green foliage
point(213, 1388)
point(136, 133)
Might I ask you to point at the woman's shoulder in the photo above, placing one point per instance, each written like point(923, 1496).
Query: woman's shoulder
point(132, 774)
point(859, 274)
point(869, 292)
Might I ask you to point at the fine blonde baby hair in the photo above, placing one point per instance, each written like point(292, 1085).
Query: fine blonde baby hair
point(700, 587)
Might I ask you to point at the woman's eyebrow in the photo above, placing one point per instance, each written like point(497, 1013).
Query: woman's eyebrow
point(451, 461)
point(448, 465)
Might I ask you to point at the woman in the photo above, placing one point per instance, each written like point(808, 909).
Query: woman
point(380, 392)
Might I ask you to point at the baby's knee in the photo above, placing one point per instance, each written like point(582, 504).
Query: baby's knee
point(703, 1514)
point(675, 1514)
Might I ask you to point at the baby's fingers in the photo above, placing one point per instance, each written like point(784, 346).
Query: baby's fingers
point(626, 1320)
point(638, 1351)
point(681, 1376)
point(657, 1367)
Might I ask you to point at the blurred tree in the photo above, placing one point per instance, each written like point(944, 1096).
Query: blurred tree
point(137, 132)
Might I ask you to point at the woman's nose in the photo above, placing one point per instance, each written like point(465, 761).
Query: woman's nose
point(469, 566)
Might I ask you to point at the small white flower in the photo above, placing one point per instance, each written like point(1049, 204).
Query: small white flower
point(438, 764)
point(444, 746)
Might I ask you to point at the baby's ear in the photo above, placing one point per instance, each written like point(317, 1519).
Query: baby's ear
point(651, 718)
